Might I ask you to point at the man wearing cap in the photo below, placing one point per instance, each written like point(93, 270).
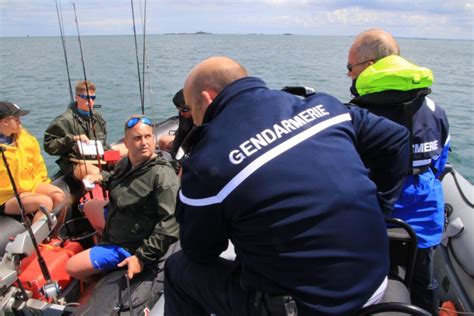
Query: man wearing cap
point(27, 166)
point(172, 143)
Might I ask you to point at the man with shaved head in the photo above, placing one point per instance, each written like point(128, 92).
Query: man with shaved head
point(284, 179)
point(207, 80)
point(390, 86)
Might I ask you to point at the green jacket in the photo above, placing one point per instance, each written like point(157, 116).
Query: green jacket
point(140, 214)
point(58, 137)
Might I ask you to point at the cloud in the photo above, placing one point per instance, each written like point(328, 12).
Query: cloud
point(106, 23)
point(440, 19)
point(286, 2)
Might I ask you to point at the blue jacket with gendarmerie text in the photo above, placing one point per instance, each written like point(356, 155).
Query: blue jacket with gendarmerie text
point(287, 181)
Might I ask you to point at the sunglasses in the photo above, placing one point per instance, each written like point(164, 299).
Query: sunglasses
point(183, 109)
point(134, 121)
point(85, 97)
point(349, 66)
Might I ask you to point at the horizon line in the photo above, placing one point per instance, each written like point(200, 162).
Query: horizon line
point(203, 33)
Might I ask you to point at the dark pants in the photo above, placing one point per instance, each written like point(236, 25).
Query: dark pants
point(201, 289)
point(424, 285)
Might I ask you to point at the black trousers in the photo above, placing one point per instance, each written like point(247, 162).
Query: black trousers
point(424, 284)
point(201, 289)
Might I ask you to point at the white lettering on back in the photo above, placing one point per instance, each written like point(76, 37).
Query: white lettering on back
point(269, 135)
point(425, 147)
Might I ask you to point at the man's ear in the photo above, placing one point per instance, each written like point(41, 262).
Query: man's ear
point(125, 142)
point(209, 96)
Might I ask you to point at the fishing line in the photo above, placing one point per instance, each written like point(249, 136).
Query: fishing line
point(146, 66)
point(63, 40)
point(144, 58)
point(142, 99)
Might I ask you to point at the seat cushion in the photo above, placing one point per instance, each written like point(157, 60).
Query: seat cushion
point(396, 291)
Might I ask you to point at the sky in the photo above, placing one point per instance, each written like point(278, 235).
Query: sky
point(446, 19)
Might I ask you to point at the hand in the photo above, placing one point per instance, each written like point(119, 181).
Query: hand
point(135, 265)
point(93, 178)
point(83, 138)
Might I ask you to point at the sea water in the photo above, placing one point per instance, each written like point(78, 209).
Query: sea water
point(33, 75)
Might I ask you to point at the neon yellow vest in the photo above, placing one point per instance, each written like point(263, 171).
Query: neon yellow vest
point(393, 73)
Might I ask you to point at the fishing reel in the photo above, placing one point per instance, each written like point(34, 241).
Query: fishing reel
point(51, 290)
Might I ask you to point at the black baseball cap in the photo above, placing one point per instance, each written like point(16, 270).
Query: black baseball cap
point(178, 99)
point(10, 109)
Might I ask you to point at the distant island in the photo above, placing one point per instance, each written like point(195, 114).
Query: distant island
point(195, 33)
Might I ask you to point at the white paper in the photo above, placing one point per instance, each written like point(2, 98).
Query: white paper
point(89, 149)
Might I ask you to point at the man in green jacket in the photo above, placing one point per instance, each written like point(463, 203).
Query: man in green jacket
point(139, 218)
point(77, 123)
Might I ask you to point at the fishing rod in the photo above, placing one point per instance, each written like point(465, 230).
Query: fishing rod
point(142, 99)
point(63, 40)
point(143, 62)
point(91, 121)
point(146, 67)
point(27, 224)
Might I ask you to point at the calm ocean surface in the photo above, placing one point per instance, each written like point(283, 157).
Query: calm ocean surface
point(33, 75)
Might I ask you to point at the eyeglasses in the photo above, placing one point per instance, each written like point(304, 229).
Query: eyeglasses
point(183, 109)
point(134, 121)
point(349, 66)
point(85, 97)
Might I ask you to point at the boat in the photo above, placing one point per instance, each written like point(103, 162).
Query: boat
point(26, 288)
point(454, 262)
point(454, 258)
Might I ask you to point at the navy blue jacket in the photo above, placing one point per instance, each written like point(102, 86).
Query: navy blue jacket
point(284, 179)
point(421, 203)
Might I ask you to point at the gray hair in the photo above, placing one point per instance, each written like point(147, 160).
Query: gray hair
point(375, 44)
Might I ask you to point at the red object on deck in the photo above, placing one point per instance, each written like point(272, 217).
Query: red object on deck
point(55, 257)
point(448, 309)
point(97, 194)
point(111, 155)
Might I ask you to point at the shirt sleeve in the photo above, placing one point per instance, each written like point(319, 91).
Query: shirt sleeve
point(204, 229)
point(384, 148)
point(57, 141)
point(39, 165)
point(166, 230)
point(439, 162)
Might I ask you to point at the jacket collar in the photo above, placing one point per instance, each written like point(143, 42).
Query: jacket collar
point(393, 73)
point(73, 107)
point(229, 92)
point(215, 108)
point(123, 168)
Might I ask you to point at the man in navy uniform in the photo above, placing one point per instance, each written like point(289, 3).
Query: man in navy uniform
point(390, 86)
point(287, 181)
